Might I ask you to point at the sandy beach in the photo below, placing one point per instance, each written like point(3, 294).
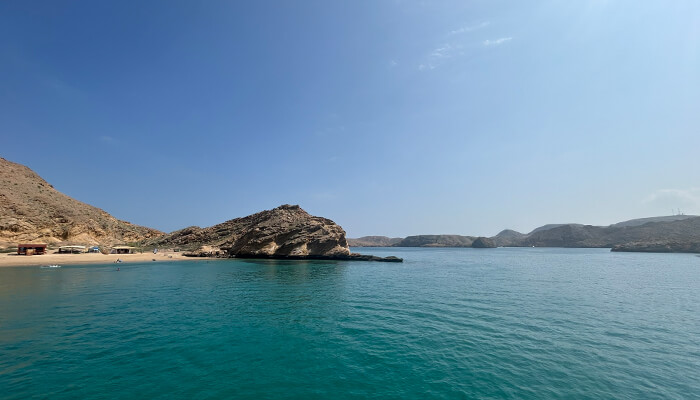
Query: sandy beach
point(14, 260)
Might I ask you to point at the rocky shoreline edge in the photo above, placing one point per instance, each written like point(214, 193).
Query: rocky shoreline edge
point(339, 257)
point(658, 247)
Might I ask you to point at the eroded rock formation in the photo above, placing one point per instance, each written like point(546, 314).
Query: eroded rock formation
point(290, 231)
point(284, 232)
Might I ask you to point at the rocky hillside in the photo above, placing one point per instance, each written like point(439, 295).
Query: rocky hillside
point(373, 241)
point(483, 243)
point(573, 235)
point(284, 231)
point(31, 210)
point(414, 241)
point(508, 238)
point(679, 233)
point(436, 241)
point(642, 221)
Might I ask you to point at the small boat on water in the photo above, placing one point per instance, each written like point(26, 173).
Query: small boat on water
point(51, 266)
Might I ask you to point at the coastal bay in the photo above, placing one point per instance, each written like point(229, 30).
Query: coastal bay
point(525, 323)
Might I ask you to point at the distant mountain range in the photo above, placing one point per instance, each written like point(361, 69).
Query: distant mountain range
point(667, 233)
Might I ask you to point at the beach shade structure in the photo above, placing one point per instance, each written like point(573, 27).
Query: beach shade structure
point(94, 249)
point(28, 249)
point(123, 250)
point(72, 249)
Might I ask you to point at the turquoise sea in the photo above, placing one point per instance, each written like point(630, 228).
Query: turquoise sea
point(445, 324)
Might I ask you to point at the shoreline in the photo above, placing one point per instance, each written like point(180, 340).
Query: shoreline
point(14, 260)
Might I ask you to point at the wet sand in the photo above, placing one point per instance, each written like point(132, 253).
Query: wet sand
point(14, 260)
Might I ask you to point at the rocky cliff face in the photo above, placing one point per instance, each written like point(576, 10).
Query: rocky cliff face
point(290, 231)
point(286, 231)
point(31, 210)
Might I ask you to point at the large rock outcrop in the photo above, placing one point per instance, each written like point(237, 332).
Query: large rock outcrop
point(31, 210)
point(284, 232)
point(290, 231)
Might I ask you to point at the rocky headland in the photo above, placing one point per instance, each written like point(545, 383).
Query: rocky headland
point(286, 232)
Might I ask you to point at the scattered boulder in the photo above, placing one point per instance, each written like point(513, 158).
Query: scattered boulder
point(206, 251)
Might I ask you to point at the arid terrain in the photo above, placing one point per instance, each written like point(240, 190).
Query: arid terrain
point(31, 210)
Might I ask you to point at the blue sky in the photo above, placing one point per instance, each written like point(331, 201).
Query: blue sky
point(389, 117)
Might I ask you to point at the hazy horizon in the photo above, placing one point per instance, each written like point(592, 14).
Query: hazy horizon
point(391, 118)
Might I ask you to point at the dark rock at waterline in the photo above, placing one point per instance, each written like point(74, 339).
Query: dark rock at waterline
point(338, 257)
point(659, 247)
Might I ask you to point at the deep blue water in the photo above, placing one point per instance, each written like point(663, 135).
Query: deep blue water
point(447, 323)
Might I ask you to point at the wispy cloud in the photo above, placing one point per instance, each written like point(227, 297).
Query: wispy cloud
point(438, 56)
point(470, 28)
point(496, 42)
point(457, 44)
point(442, 51)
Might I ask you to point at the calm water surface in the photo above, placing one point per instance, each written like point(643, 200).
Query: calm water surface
point(447, 323)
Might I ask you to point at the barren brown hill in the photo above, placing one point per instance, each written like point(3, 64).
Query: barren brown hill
point(31, 210)
point(436, 241)
point(373, 241)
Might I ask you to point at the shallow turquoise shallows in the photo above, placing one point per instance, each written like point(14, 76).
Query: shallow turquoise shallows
point(447, 323)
